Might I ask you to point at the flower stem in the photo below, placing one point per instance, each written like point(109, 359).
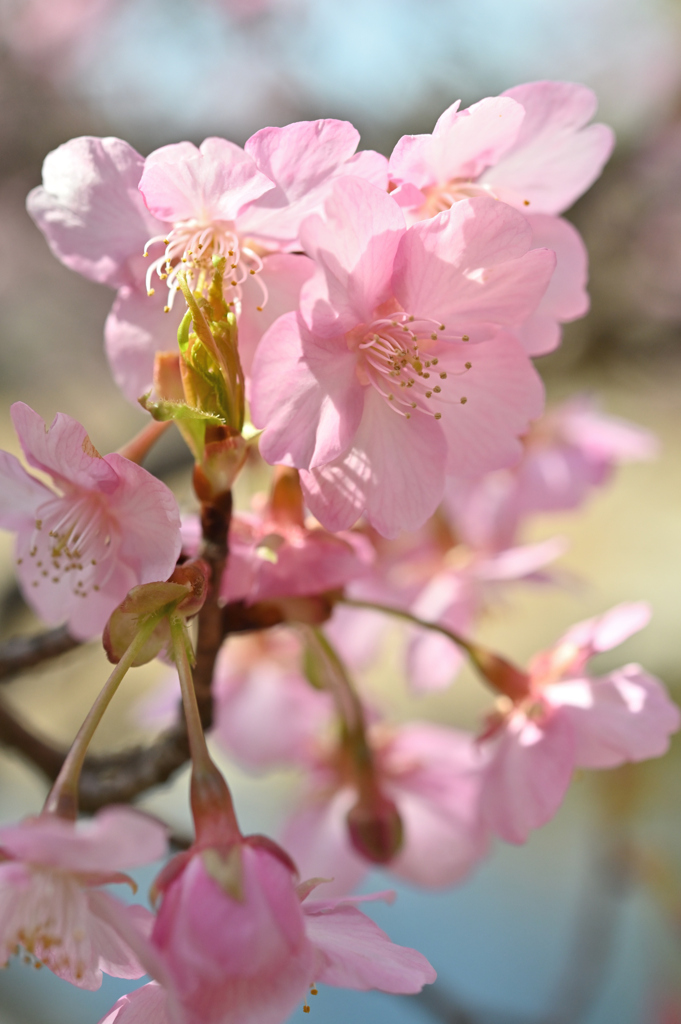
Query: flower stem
point(497, 672)
point(212, 807)
point(139, 446)
point(62, 799)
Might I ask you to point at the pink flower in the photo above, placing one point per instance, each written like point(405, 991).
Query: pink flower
point(569, 720)
point(456, 598)
point(433, 776)
point(350, 383)
point(50, 903)
point(215, 200)
point(240, 943)
point(107, 526)
point(531, 149)
point(259, 685)
point(569, 451)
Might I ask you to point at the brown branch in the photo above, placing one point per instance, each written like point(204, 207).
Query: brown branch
point(23, 652)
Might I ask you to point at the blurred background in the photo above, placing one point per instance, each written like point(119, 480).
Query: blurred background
point(584, 923)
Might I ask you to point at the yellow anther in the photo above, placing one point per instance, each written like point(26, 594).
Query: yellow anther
point(463, 401)
point(465, 338)
point(150, 292)
point(438, 416)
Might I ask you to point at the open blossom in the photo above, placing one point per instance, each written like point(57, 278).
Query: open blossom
point(50, 901)
point(107, 526)
point(102, 207)
point(266, 713)
point(433, 776)
point(568, 452)
point(531, 147)
point(400, 365)
point(571, 719)
point(240, 942)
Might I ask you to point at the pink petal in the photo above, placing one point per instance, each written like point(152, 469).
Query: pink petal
point(301, 159)
point(149, 521)
point(462, 145)
point(394, 472)
point(603, 437)
point(354, 243)
point(250, 711)
point(433, 662)
point(20, 494)
point(116, 958)
point(525, 560)
point(555, 158)
point(436, 782)
point(115, 839)
point(181, 182)
point(306, 395)
point(316, 836)
point(135, 330)
point(503, 394)
point(146, 1005)
point(90, 210)
point(469, 268)
point(301, 156)
point(566, 297)
point(282, 275)
point(609, 630)
point(63, 450)
point(353, 952)
point(624, 716)
point(528, 774)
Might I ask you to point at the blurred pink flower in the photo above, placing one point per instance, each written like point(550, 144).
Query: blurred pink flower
point(50, 900)
point(433, 776)
point(569, 720)
point(258, 685)
point(570, 450)
point(108, 525)
point(531, 148)
point(343, 387)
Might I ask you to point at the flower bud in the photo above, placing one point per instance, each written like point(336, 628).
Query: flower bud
point(375, 828)
point(508, 680)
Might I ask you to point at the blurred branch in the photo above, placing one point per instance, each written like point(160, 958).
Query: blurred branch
point(120, 777)
point(24, 652)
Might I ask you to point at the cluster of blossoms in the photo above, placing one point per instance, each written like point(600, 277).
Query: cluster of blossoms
point(369, 324)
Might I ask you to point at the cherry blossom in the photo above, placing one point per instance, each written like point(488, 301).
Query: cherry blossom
point(50, 900)
point(433, 776)
point(259, 684)
point(571, 719)
point(107, 525)
point(240, 942)
point(531, 147)
point(571, 450)
point(103, 208)
point(390, 315)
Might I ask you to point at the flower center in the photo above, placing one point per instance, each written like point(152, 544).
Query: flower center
point(395, 360)
point(190, 247)
point(74, 539)
point(443, 197)
point(48, 920)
